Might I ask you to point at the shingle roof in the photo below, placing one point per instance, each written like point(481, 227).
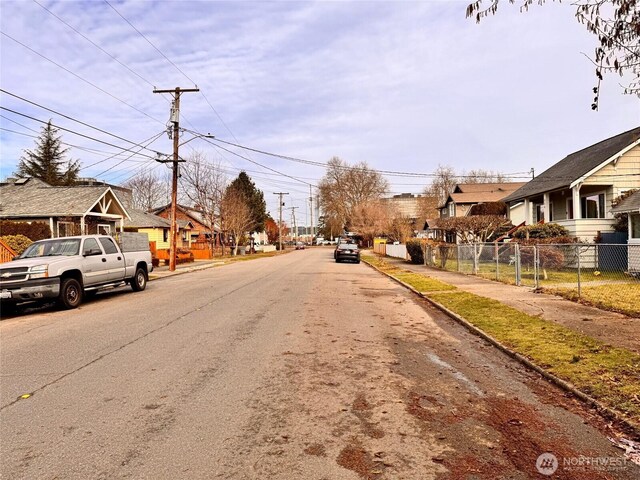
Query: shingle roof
point(482, 192)
point(141, 219)
point(575, 165)
point(629, 204)
point(38, 198)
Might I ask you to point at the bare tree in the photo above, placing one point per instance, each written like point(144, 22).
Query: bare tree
point(147, 190)
point(616, 24)
point(371, 219)
point(443, 183)
point(343, 187)
point(236, 216)
point(203, 184)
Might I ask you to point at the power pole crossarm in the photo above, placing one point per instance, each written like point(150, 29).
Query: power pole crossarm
point(175, 119)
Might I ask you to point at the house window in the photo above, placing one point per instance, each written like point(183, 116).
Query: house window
point(551, 211)
point(165, 235)
point(592, 205)
point(66, 229)
point(104, 229)
point(539, 212)
point(452, 210)
point(634, 231)
point(569, 208)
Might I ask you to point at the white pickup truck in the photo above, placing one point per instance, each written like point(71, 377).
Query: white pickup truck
point(66, 268)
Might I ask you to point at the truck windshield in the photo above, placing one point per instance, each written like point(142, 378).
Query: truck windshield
point(51, 248)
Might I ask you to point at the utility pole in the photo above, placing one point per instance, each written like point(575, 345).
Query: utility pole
point(293, 222)
point(280, 205)
point(175, 119)
point(311, 205)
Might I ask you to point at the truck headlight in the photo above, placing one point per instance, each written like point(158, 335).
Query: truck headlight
point(39, 271)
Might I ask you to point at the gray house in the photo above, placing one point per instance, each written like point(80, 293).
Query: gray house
point(72, 210)
point(578, 191)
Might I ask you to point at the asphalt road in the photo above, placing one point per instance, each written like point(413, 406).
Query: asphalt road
point(291, 367)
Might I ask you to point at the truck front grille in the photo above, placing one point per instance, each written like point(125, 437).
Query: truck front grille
point(9, 276)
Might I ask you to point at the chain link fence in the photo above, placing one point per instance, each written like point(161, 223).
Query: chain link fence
point(604, 274)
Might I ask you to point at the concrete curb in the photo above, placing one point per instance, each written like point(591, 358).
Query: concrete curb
point(569, 387)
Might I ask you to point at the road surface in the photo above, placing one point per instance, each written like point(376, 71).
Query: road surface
point(291, 367)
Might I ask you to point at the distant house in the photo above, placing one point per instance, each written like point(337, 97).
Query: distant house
point(69, 210)
point(200, 231)
point(158, 229)
point(577, 192)
point(465, 195)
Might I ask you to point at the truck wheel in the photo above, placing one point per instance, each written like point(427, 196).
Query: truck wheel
point(139, 280)
point(70, 293)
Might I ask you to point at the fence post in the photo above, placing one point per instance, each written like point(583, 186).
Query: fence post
point(536, 265)
point(497, 262)
point(475, 261)
point(517, 264)
point(579, 286)
point(458, 258)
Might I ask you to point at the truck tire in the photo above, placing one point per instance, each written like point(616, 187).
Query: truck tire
point(70, 293)
point(139, 280)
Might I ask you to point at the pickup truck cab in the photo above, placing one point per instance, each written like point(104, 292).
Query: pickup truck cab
point(66, 268)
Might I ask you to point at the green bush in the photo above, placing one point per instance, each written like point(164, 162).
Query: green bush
point(415, 251)
point(18, 243)
point(541, 230)
point(33, 231)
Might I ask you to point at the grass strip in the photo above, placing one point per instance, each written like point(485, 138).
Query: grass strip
point(609, 374)
point(422, 283)
point(621, 298)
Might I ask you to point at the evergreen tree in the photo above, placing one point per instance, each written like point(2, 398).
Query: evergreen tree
point(47, 162)
point(254, 198)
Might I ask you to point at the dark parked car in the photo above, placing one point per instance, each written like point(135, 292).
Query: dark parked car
point(347, 251)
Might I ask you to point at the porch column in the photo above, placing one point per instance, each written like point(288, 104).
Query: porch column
point(547, 207)
point(121, 224)
point(575, 197)
point(53, 234)
point(82, 225)
point(527, 212)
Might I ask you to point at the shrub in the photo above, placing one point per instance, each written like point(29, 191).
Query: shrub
point(541, 230)
point(18, 243)
point(415, 249)
point(33, 231)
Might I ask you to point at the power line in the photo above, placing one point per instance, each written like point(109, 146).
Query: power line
point(80, 77)
point(150, 43)
point(69, 118)
point(82, 134)
point(94, 43)
point(153, 139)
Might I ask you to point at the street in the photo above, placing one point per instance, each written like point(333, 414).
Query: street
point(290, 367)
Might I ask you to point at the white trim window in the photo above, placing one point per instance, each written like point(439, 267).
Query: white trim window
point(634, 226)
point(103, 229)
point(593, 205)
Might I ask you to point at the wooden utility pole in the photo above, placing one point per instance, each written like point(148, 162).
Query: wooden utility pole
point(311, 205)
point(293, 222)
point(175, 119)
point(280, 205)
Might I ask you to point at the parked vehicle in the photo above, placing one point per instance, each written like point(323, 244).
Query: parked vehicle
point(67, 268)
point(347, 251)
point(299, 246)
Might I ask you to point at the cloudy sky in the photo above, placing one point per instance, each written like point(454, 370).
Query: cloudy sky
point(403, 86)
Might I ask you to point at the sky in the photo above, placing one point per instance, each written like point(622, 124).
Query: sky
point(402, 86)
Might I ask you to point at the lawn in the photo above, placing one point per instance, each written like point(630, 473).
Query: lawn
point(608, 374)
point(620, 297)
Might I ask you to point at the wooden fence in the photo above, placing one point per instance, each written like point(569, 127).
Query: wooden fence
point(6, 252)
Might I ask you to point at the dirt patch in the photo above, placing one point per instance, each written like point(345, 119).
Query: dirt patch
point(416, 406)
point(357, 459)
point(316, 449)
point(360, 404)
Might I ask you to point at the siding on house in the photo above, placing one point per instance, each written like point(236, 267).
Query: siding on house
point(622, 176)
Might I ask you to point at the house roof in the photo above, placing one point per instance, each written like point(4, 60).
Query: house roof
point(482, 192)
point(195, 214)
point(32, 198)
point(629, 204)
point(141, 219)
point(576, 165)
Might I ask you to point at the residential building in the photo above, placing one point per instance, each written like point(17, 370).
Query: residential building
point(578, 191)
point(466, 195)
point(68, 210)
point(158, 229)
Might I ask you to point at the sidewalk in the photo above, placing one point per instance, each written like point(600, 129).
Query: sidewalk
point(163, 271)
point(609, 327)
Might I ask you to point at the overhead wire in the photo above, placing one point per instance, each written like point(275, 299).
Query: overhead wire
point(81, 78)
